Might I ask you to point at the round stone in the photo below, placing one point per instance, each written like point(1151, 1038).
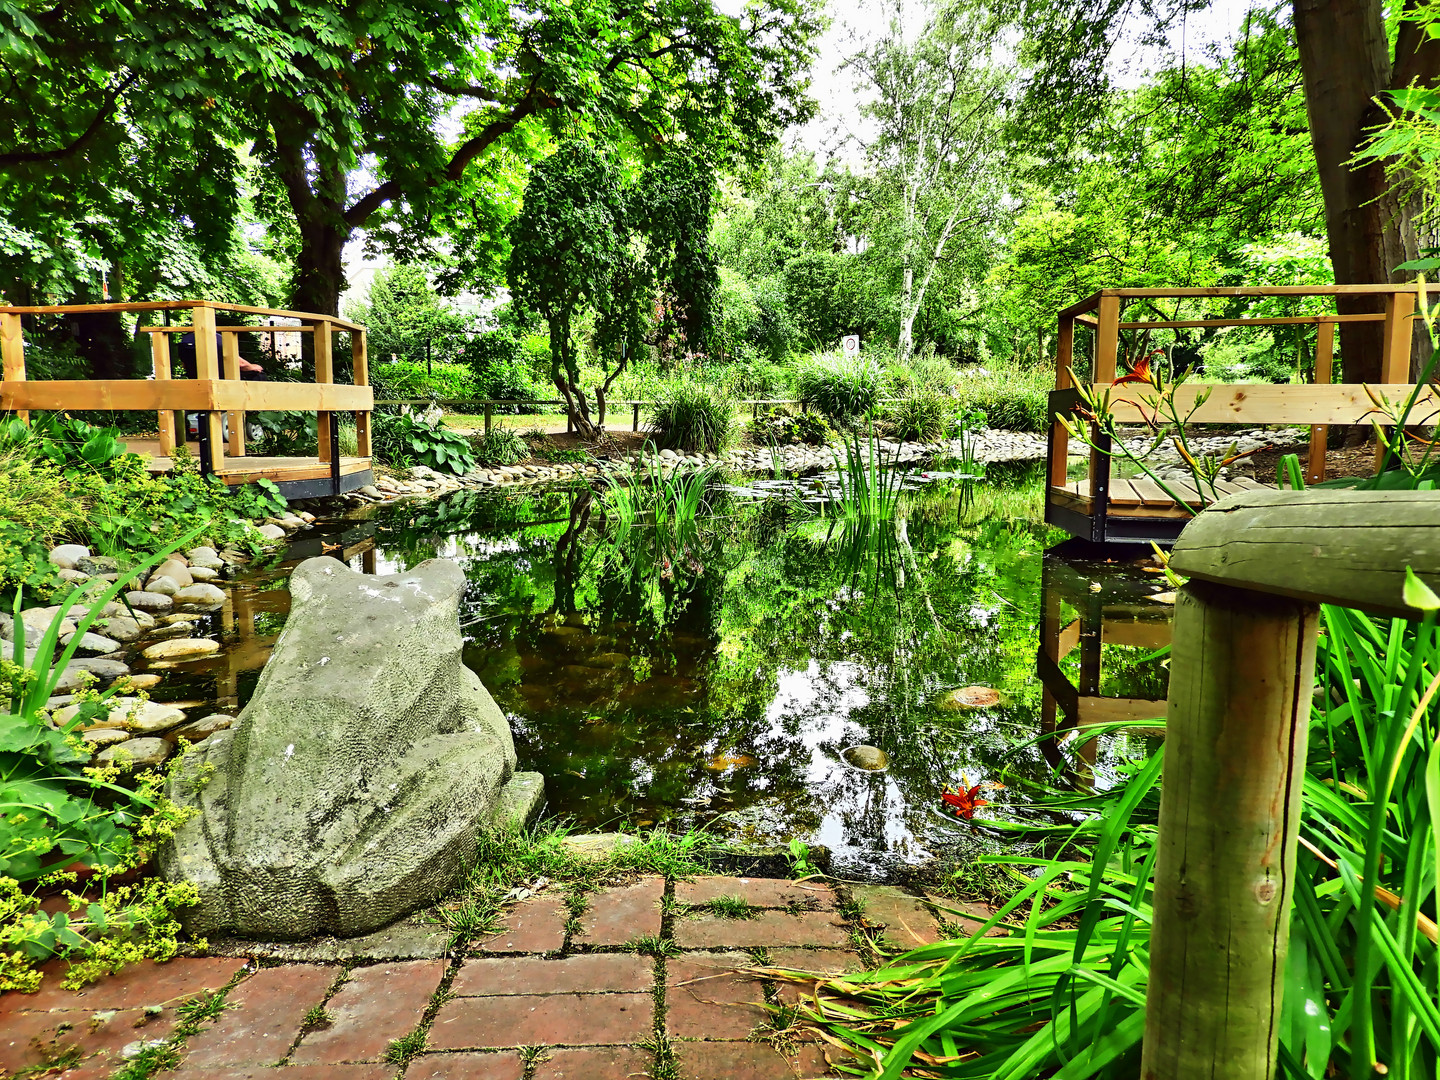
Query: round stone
point(97, 564)
point(869, 758)
point(73, 577)
point(144, 682)
point(66, 556)
point(176, 571)
point(107, 671)
point(201, 595)
point(181, 648)
point(203, 557)
point(120, 627)
point(135, 753)
point(148, 601)
point(133, 714)
point(91, 644)
point(162, 586)
point(103, 737)
point(202, 573)
point(272, 532)
point(197, 730)
point(173, 630)
point(969, 697)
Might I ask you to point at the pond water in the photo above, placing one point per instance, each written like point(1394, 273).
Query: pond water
point(723, 691)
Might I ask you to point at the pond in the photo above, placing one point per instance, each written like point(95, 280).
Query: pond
point(722, 691)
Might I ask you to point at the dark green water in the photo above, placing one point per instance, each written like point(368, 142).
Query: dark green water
point(722, 692)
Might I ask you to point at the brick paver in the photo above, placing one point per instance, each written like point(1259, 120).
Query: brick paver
point(616, 916)
point(550, 1020)
point(971, 916)
point(590, 1013)
point(604, 1063)
point(602, 972)
point(746, 1061)
point(706, 999)
point(289, 1072)
point(908, 923)
point(262, 1018)
point(375, 1006)
point(506, 1065)
point(758, 892)
point(772, 928)
point(534, 926)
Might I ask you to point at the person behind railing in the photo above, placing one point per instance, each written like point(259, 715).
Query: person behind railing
point(249, 372)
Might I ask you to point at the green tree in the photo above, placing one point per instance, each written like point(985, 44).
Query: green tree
point(937, 109)
point(320, 88)
point(405, 318)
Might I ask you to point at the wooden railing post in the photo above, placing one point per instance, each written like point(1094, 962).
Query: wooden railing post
point(360, 363)
point(324, 373)
point(12, 353)
point(160, 359)
point(1107, 340)
point(489, 416)
point(1320, 433)
point(1241, 670)
point(1059, 448)
point(230, 354)
point(635, 419)
point(207, 369)
point(1395, 356)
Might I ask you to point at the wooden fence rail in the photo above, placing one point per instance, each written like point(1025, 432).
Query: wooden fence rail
point(1241, 676)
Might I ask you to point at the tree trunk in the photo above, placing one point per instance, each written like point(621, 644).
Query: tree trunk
point(1345, 63)
point(319, 208)
point(906, 345)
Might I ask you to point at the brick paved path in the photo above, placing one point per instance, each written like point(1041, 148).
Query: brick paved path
point(535, 1002)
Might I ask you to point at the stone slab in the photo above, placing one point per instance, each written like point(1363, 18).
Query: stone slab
point(419, 937)
point(758, 892)
point(493, 1066)
point(291, 1072)
point(602, 1063)
point(549, 1020)
point(771, 929)
point(34, 1040)
point(374, 1007)
point(530, 927)
point(262, 1018)
point(620, 915)
point(593, 973)
point(706, 999)
point(747, 1061)
point(138, 985)
point(907, 922)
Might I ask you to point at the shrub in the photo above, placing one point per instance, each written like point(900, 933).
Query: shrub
point(807, 428)
point(402, 440)
point(926, 373)
point(919, 417)
point(500, 366)
point(409, 379)
point(502, 446)
point(841, 389)
point(1246, 356)
point(692, 417)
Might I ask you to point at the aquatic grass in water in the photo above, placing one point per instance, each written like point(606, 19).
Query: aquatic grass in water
point(1064, 992)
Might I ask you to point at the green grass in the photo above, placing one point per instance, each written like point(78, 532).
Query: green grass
point(730, 907)
point(402, 1050)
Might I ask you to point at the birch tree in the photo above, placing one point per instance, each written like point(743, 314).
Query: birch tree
point(936, 113)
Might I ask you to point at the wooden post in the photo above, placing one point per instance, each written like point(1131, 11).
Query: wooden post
point(324, 373)
point(230, 354)
point(489, 415)
point(635, 420)
point(360, 363)
point(1059, 437)
point(1395, 357)
point(1107, 340)
point(1320, 433)
point(1241, 671)
point(12, 349)
point(160, 357)
point(207, 369)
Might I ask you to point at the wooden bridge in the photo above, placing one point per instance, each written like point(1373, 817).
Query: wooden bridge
point(1103, 508)
point(215, 391)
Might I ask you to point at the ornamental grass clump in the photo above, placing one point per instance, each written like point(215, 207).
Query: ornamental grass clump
point(919, 417)
point(693, 418)
point(499, 446)
point(842, 390)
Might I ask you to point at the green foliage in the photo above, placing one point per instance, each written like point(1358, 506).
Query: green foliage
point(1009, 399)
point(921, 417)
point(71, 445)
point(288, 433)
point(261, 499)
point(403, 316)
point(692, 417)
point(501, 366)
point(502, 446)
point(1248, 356)
point(841, 389)
point(402, 440)
point(411, 379)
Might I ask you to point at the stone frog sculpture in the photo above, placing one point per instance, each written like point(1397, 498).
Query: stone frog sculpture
point(353, 788)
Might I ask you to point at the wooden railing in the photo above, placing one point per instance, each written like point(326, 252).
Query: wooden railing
point(216, 388)
point(1319, 404)
point(1241, 674)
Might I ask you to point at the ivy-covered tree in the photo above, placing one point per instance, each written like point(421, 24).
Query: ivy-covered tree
point(587, 239)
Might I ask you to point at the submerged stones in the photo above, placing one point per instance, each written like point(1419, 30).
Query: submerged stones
point(868, 758)
point(969, 697)
point(181, 648)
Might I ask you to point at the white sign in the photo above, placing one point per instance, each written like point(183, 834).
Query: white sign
point(850, 344)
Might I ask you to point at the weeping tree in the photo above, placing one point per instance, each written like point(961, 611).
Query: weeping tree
point(587, 239)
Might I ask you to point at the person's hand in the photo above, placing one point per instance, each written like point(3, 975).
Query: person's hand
point(246, 365)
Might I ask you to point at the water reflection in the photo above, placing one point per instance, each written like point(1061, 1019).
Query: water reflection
point(724, 694)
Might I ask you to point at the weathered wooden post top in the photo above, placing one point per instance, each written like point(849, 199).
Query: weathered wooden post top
point(1242, 670)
